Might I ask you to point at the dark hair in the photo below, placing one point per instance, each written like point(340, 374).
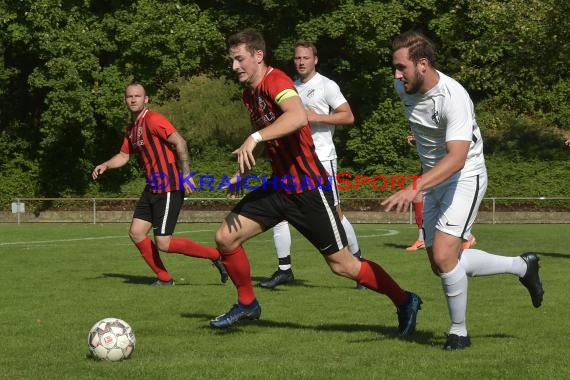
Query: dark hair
point(419, 46)
point(252, 39)
point(308, 45)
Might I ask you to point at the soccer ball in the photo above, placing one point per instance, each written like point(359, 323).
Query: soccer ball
point(111, 339)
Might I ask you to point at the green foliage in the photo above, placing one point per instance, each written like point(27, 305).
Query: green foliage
point(18, 179)
point(378, 145)
point(513, 52)
point(159, 42)
point(527, 178)
point(519, 137)
point(64, 66)
point(353, 42)
point(558, 109)
point(209, 112)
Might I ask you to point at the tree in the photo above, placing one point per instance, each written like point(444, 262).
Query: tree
point(68, 62)
point(354, 48)
point(512, 52)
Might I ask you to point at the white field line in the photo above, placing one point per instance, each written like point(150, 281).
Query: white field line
point(82, 239)
point(264, 241)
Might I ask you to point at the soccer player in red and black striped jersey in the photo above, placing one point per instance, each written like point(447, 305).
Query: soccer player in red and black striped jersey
point(159, 146)
point(299, 190)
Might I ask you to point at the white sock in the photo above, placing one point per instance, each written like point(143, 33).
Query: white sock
point(282, 241)
point(480, 263)
point(421, 234)
point(455, 288)
point(350, 235)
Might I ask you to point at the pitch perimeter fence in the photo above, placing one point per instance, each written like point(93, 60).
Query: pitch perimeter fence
point(493, 210)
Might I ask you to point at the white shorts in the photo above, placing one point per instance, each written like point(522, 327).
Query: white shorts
point(452, 207)
point(330, 167)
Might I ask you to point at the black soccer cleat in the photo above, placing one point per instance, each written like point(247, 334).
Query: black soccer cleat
point(531, 280)
point(163, 283)
point(280, 277)
point(237, 312)
point(407, 314)
point(456, 342)
point(222, 269)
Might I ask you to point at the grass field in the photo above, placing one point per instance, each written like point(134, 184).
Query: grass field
point(57, 280)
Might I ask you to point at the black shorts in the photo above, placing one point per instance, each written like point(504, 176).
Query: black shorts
point(312, 213)
point(160, 209)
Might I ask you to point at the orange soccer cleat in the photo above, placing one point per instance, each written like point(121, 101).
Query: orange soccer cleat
point(419, 244)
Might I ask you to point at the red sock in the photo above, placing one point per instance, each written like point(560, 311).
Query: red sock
point(237, 265)
point(189, 247)
point(375, 278)
point(149, 252)
point(418, 212)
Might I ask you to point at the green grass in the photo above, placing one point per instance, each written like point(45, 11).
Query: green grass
point(57, 280)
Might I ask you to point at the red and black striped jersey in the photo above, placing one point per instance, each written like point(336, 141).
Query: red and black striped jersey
point(147, 137)
point(293, 157)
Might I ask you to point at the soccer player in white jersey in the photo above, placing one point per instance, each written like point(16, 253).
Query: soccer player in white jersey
point(326, 107)
point(418, 206)
point(448, 140)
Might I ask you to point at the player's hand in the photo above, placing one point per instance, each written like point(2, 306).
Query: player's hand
point(400, 201)
point(189, 188)
point(312, 114)
point(411, 139)
point(99, 169)
point(244, 154)
point(235, 188)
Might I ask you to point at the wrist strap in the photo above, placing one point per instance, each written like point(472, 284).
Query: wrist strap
point(256, 136)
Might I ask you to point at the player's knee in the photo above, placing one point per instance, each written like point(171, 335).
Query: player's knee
point(338, 269)
point(163, 243)
point(342, 269)
point(136, 235)
point(224, 241)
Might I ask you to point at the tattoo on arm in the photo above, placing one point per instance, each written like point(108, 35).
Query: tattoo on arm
point(183, 157)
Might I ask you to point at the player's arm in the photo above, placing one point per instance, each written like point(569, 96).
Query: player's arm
point(453, 162)
point(342, 115)
point(291, 120)
point(179, 143)
point(118, 160)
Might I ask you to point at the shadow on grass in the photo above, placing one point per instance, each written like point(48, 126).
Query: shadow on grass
point(137, 280)
point(554, 254)
point(301, 284)
point(131, 279)
point(297, 283)
point(399, 246)
point(148, 280)
point(386, 332)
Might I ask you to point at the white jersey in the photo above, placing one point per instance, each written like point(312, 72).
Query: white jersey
point(445, 113)
point(323, 95)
